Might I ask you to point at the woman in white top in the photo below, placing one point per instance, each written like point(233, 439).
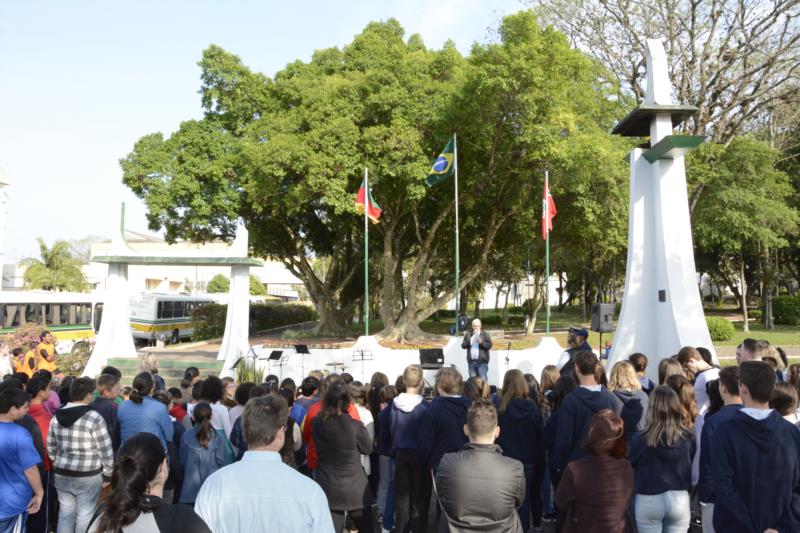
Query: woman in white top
point(213, 393)
point(359, 394)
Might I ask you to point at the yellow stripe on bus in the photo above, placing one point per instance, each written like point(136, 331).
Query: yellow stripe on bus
point(150, 328)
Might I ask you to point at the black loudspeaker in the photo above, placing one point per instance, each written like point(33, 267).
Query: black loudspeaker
point(602, 317)
point(431, 358)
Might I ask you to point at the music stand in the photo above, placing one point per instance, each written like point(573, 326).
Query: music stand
point(362, 355)
point(301, 350)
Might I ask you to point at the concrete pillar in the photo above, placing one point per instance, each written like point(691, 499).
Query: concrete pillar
point(235, 341)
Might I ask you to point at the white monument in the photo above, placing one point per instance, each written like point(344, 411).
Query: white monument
point(661, 306)
point(4, 182)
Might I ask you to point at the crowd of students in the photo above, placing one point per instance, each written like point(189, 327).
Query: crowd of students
point(584, 447)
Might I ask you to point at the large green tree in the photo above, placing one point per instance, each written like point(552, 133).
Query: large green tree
point(286, 155)
point(55, 270)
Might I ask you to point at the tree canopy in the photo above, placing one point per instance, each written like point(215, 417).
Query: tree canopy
point(55, 270)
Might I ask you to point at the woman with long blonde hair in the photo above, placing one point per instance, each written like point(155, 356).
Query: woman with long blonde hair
point(662, 456)
point(625, 385)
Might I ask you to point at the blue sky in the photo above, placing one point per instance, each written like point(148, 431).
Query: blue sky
point(81, 81)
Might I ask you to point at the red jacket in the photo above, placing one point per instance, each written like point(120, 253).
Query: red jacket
point(42, 417)
point(178, 412)
point(311, 448)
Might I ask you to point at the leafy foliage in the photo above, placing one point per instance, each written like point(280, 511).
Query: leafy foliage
point(208, 321)
point(56, 269)
point(256, 287)
point(720, 329)
point(218, 284)
point(786, 310)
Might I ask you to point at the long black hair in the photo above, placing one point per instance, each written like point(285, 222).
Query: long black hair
point(188, 376)
point(335, 402)
point(137, 464)
point(201, 416)
point(143, 385)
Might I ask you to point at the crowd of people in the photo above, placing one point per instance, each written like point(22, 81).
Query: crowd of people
point(583, 447)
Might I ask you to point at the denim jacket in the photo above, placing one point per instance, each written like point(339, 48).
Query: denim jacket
point(198, 463)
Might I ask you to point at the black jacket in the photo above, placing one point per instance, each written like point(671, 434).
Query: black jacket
point(483, 346)
point(634, 409)
point(480, 490)
point(442, 428)
point(521, 432)
point(108, 410)
point(568, 370)
point(340, 442)
point(573, 422)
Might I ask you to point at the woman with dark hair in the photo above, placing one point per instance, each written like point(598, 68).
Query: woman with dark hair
point(662, 456)
point(213, 392)
point(143, 413)
point(520, 423)
point(595, 491)
point(202, 453)
point(190, 376)
point(241, 396)
point(383, 447)
point(340, 442)
point(564, 386)
point(476, 388)
point(137, 485)
point(379, 380)
point(669, 367)
point(293, 443)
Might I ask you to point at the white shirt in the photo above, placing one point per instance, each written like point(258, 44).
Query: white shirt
point(700, 394)
point(366, 418)
point(758, 414)
point(261, 494)
point(563, 359)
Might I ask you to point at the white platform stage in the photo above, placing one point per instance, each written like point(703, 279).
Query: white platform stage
point(392, 362)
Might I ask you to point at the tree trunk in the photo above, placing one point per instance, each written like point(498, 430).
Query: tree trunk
point(743, 295)
point(537, 301)
point(332, 321)
point(505, 305)
point(498, 291)
point(766, 294)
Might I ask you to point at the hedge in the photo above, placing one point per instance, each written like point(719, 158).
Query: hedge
point(720, 329)
point(208, 321)
point(786, 310)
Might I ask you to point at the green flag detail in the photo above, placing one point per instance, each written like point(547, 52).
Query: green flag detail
point(442, 167)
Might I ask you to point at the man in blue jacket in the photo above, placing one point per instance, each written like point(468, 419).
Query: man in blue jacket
point(578, 409)
point(755, 462)
point(442, 427)
point(729, 389)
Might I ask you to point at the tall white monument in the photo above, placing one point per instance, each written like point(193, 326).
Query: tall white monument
point(661, 307)
point(4, 182)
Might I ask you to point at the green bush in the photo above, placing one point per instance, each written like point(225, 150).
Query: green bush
point(516, 310)
point(786, 310)
point(721, 329)
point(219, 283)
point(516, 320)
point(493, 320)
point(755, 314)
point(208, 321)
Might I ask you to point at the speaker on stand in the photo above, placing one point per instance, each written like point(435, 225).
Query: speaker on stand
point(602, 322)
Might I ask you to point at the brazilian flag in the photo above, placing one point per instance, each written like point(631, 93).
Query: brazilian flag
point(443, 167)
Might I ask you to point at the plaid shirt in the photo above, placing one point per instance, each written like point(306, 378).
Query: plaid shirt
point(84, 448)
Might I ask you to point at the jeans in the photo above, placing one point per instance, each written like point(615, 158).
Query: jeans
point(13, 524)
point(77, 501)
point(668, 512)
point(385, 484)
point(478, 368)
point(525, 509)
point(547, 493)
point(707, 517)
point(412, 485)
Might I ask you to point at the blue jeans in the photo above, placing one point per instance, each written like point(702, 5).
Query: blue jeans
point(477, 368)
point(389, 503)
point(77, 501)
point(547, 493)
point(9, 525)
point(668, 512)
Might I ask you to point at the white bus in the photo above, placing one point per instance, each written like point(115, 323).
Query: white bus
point(167, 316)
point(72, 317)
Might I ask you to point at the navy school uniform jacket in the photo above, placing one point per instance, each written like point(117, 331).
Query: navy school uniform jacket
point(573, 422)
point(705, 486)
point(755, 466)
point(384, 440)
point(108, 410)
point(660, 468)
point(404, 422)
point(521, 432)
point(441, 429)
point(549, 442)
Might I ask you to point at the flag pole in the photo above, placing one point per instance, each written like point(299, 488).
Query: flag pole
point(455, 170)
point(366, 252)
point(547, 253)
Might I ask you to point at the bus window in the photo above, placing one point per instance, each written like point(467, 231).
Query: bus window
point(160, 312)
point(11, 315)
point(168, 309)
point(98, 316)
point(179, 310)
point(30, 313)
point(86, 313)
point(63, 313)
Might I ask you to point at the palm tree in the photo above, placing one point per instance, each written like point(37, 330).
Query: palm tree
point(57, 270)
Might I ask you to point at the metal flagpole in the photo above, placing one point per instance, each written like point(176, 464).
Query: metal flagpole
point(455, 170)
point(366, 252)
point(547, 252)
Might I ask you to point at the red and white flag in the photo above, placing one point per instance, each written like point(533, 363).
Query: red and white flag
point(548, 211)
